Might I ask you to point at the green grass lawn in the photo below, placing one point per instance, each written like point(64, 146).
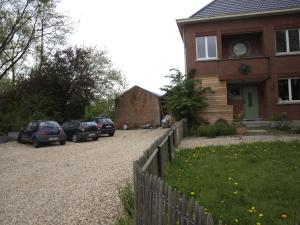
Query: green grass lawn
point(256, 183)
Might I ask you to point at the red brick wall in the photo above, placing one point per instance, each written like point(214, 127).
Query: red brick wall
point(136, 107)
point(279, 66)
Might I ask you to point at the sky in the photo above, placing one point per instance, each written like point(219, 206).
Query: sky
point(141, 37)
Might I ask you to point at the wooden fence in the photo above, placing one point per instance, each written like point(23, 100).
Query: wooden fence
point(157, 203)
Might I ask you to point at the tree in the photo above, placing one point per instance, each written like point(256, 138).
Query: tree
point(29, 28)
point(17, 31)
point(185, 96)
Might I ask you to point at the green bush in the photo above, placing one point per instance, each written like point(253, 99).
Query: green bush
point(207, 131)
point(282, 121)
point(126, 196)
point(218, 129)
point(221, 120)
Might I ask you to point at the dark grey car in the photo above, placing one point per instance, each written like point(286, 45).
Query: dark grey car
point(42, 131)
point(76, 130)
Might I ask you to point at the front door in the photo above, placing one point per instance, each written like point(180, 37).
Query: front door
point(250, 99)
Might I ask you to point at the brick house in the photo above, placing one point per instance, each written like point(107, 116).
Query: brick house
point(248, 52)
point(137, 107)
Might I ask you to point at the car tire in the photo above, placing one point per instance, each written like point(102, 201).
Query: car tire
point(111, 134)
point(62, 142)
point(74, 138)
point(95, 139)
point(36, 144)
point(19, 140)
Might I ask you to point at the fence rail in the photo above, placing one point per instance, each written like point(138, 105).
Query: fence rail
point(156, 202)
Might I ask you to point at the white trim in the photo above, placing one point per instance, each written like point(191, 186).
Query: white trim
point(272, 12)
point(287, 42)
point(290, 101)
point(206, 58)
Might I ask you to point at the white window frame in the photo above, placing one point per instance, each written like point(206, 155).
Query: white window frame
point(288, 52)
point(290, 91)
point(206, 49)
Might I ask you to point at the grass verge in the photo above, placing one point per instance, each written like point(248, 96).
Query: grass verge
point(255, 183)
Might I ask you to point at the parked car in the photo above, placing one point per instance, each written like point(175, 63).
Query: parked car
point(42, 131)
point(81, 130)
point(106, 125)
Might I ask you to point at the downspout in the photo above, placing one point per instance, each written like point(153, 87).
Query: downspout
point(184, 49)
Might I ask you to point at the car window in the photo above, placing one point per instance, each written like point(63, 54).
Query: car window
point(104, 120)
point(49, 124)
point(87, 124)
point(66, 125)
point(31, 126)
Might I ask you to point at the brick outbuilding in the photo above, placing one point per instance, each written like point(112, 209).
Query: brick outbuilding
point(137, 107)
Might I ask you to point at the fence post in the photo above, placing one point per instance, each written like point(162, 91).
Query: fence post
point(169, 148)
point(159, 163)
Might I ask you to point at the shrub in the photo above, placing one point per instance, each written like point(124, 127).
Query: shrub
point(221, 120)
point(207, 131)
point(126, 196)
point(282, 121)
point(219, 129)
point(224, 129)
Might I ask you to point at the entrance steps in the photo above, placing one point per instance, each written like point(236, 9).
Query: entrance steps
point(257, 124)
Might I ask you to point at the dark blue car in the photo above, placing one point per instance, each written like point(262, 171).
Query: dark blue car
point(42, 131)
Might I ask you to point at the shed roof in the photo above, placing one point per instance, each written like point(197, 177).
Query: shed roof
point(152, 93)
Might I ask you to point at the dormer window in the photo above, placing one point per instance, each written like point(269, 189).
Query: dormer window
point(288, 41)
point(206, 48)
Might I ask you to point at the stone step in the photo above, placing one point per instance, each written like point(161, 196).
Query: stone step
point(257, 124)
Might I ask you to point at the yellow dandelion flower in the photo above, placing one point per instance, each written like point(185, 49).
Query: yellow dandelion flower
point(235, 192)
point(258, 223)
point(229, 178)
point(261, 215)
point(253, 208)
point(192, 193)
point(284, 216)
point(236, 220)
point(250, 210)
point(236, 183)
point(205, 209)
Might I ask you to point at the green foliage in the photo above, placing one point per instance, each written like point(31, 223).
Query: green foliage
point(282, 121)
point(66, 87)
point(185, 96)
point(253, 183)
point(101, 107)
point(238, 118)
point(220, 128)
point(221, 120)
point(126, 196)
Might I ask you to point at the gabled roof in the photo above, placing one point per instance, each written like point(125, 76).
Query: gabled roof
point(138, 87)
point(219, 8)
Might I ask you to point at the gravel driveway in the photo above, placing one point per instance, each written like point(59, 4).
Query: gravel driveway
point(72, 184)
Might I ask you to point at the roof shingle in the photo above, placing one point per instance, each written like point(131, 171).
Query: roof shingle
point(231, 7)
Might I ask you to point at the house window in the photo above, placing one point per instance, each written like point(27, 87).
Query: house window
point(288, 41)
point(289, 90)
point(206, 47)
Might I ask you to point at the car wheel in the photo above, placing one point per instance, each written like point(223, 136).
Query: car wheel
point(36, 144)
point(62, 142)
point(112, 134)
point(95, 138)
point(19, 140)
point(74, 138)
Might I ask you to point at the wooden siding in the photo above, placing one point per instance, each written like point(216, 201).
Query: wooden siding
point(218, 107)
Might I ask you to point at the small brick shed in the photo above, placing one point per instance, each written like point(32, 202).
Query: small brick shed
point(137, 107)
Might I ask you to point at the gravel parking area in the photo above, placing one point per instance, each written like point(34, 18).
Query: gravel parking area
point(72, 184)
point(194, 142)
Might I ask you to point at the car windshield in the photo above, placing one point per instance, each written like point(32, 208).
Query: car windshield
point(105, 120)
point(49, 124)
point(88, 124)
